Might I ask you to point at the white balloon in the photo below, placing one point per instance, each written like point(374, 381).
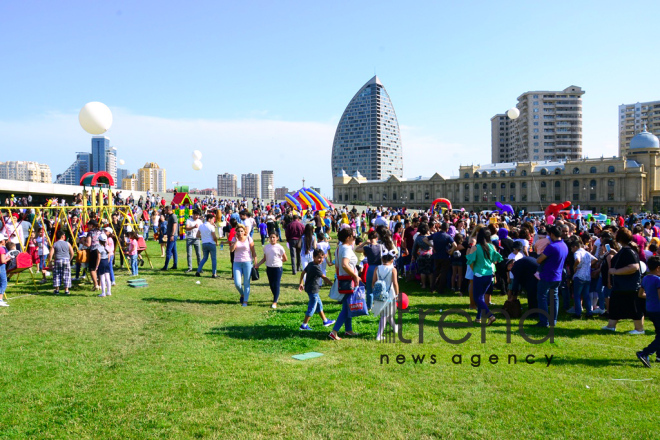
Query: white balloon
point(197, 155)
point(121, 162)
point(95, 118)
point(197, 165)
point(270, 186)
point(513, 113)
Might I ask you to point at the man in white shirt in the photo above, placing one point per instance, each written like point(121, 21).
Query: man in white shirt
point(192, 227)
point(209, 242)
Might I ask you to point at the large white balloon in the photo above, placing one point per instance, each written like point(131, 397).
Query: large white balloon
point(197, 155)
point(121, 162)
point(513, 113)
point(95, 118)
point(197, 165)
point(270, 186)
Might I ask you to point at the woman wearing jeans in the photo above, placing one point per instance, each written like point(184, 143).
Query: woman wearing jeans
point(206, 233)
point(244, 255)
point(481, 261)
point(346, 263)
point(274, 257)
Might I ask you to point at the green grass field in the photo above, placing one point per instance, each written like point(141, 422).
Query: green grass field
point(181, 360)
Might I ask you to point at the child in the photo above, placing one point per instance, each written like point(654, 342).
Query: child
point(133, 252)
point(11, 247)
point(651, 289)
point(387, 272)
point(83, 265)
point(42, 251)
point(4, 259)
point(323, 243)
point(515, 255)
point(274, 257)
point(103, 266)
point(263, 230)
point(581, 278)
point(311, 275)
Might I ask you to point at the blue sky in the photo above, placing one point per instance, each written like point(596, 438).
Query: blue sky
point(262, 85)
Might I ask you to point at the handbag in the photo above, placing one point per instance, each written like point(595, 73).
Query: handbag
point(254, 275)
point(334, 292)
point(357, 302)
point(345, 284)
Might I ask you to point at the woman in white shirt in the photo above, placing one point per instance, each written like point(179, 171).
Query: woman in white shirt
point(209, 242)
point(274, 257)
point(346, 263)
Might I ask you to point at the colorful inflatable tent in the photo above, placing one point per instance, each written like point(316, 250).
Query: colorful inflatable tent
point(445, 201)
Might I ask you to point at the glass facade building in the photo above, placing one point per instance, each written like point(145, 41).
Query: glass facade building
point(367, 139)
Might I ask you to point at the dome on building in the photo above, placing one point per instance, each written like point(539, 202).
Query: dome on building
point(342, 173)
point(644, 140)
point(357, 175)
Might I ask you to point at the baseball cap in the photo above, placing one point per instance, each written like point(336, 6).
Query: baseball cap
point(103, 237)
point(108, 230)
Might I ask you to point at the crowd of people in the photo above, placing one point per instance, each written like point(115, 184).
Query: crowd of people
point(580, 266)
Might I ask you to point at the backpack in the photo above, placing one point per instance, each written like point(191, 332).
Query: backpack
point(380, 291)
point(513, 308)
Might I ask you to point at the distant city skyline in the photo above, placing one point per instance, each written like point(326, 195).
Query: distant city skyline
point(280, 82)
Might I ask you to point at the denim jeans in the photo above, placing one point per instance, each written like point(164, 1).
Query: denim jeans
point(315, 304)
point(243, 268)
point(369, 290)
point(208, 249)
point(3, 278)
point(193, 243)
point(481, 286)
point(171, 253)
point(545, 289)
point(565, 291)
point(274, 278)
point(146, 232)
point(344, 316)
point(581, 289)
point(134, 264)
point(111, 260)
point(654, 347)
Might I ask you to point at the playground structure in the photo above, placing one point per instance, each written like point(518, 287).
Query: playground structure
point(100, 190)
point(183, 210)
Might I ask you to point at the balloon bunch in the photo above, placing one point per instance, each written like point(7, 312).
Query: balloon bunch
point(197, 160)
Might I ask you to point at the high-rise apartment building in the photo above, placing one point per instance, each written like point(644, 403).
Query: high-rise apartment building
point(281, 192)
point(104, 157)
point(73, 174)
point(26, 171)
point(130, 183)
point(122, 173)
point(227, 185)
point(250, 185)
point(549, 128)
point(633, 117)
point(152, 178)
point(267, 185)
point(367, 137)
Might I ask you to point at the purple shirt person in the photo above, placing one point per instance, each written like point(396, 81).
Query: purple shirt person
point(552, 261)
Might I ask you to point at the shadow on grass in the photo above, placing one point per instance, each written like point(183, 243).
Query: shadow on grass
point(266, 332)
point(627, 362)
point(190, 301)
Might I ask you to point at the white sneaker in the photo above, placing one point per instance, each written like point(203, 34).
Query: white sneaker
point(598, 311)
point(114, 284)
point(3, 303)
point(636, 332)
point(611, 329)
point(274, 306)
point(102, 295)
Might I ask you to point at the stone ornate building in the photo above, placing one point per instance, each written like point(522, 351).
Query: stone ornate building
point(608, 185)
